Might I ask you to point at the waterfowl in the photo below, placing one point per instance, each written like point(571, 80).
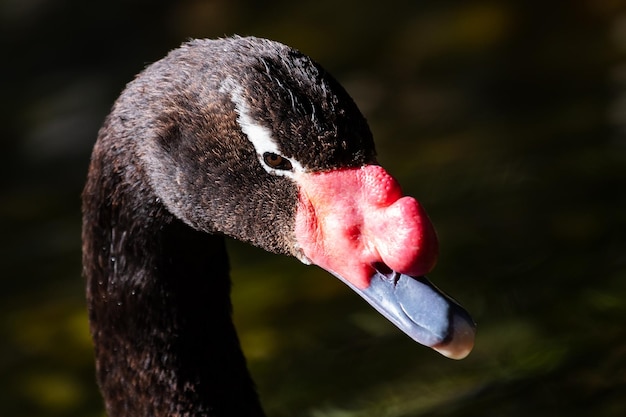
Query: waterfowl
point(250, 139)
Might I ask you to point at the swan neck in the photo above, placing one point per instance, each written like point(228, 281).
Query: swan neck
point(160, 315)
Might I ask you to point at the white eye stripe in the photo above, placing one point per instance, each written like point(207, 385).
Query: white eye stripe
point(260, 136)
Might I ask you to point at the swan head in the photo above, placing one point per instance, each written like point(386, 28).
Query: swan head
point(253, 139)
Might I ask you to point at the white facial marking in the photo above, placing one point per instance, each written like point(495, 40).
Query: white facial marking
point(259, 135)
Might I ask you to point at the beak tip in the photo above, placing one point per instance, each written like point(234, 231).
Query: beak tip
point(462, 341)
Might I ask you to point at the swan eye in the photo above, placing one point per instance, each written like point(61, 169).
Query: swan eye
point(276, 161)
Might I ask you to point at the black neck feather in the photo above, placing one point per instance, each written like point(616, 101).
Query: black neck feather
point(160, 312)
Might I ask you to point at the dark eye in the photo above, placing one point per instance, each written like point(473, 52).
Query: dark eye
point(276, 161)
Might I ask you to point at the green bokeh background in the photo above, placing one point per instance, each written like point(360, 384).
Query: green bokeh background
point(506, 119)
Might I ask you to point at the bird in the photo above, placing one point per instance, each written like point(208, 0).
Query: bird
point(243, 138)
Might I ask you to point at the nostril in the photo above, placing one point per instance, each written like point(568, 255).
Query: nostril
point(388, 273)
point(382, 268)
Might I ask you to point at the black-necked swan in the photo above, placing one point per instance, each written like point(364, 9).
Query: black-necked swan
point(246, 138)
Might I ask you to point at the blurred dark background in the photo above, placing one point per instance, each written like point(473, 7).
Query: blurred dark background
point(506, 119)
